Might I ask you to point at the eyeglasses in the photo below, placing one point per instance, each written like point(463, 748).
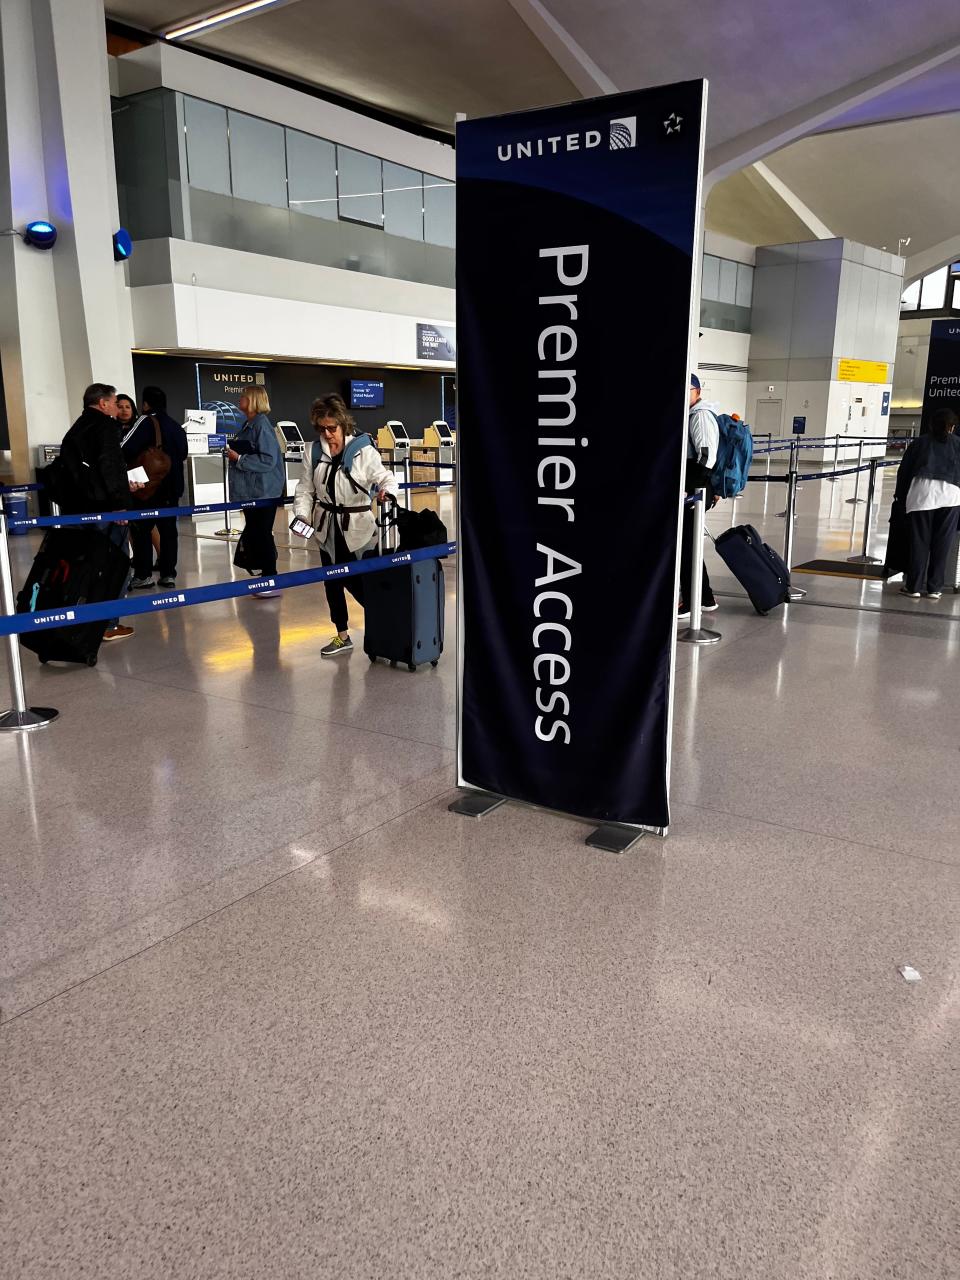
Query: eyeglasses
point(329, 431)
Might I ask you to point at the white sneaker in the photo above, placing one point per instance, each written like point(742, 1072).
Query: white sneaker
point(911, 595)
point(932, 595)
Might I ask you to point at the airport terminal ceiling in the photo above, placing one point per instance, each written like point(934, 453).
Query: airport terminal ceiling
point(887, 77)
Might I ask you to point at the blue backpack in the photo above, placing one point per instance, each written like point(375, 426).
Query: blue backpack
point(734, 455)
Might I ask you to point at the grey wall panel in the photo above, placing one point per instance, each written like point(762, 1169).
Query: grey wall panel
point(815, 309)
point(773, 294)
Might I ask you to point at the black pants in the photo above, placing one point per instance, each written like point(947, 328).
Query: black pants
point(686, 555)
point(140, 536)
point(931, 536)
point(336, 590)
point(258, 543)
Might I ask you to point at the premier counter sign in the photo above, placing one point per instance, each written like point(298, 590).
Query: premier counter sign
point(577, 228)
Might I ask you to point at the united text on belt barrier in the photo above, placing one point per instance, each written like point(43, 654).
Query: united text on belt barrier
point(159, 513)
point(105, 610)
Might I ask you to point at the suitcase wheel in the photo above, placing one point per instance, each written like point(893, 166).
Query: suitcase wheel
point(435, 662)
point(393, 665)
point(44, 661)
point(372, 657)
point(411, 666)
point(92, 660)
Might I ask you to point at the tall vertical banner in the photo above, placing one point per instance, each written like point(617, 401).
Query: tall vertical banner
point(577, 228)
point(942, 387)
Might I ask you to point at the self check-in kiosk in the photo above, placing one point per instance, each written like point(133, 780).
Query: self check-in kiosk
point(395, 437)
point(438, 436)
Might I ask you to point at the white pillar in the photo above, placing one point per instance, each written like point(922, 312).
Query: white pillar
point(65, 315)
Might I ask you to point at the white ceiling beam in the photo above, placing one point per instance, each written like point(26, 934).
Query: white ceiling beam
point(765, 175)
point(749, 147)
point(573, 61)
point(938, 255)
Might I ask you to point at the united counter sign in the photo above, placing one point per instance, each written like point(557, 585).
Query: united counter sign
point(572, 387)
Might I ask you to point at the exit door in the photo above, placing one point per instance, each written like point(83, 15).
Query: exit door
point(769, 417)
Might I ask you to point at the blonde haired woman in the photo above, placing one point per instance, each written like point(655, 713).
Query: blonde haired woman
point(257, 470)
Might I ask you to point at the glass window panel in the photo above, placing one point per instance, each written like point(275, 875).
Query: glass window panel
point(728, 281)
point(956, 295)
point(710, 287)
point(258, 162)
point(744, 285)
point(934, 290)
point(402, 201)
point(208, 157)
point(910, 299)
point(439, 207)
point(311, 175)
point(361, 186)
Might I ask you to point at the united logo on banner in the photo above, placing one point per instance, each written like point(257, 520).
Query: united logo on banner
point(576, 233)
point(220, 387)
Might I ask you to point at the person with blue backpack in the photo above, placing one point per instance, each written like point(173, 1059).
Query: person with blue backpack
point(719, 454)
point(703, 442)
point(342, 474)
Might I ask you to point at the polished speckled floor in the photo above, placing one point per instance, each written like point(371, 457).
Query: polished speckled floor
point(269, 1011)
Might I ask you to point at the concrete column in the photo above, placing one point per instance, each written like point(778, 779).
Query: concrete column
point(65, 316)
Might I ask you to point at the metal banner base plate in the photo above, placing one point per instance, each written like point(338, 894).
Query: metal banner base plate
point(476, 804)
point(863, 560)
point(23, 721)
point(614, 838)
point(698, 635)
point(795, 594)
point(855, 502)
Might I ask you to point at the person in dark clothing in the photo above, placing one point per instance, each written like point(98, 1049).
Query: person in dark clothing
point(928, 495)
point(173, 442)
point(92, 474)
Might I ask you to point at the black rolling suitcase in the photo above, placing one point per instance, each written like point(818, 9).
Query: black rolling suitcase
point(403, 610)
point(757, 567)
point(73, 566)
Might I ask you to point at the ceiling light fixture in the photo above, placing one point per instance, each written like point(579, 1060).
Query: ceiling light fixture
point(215, 19)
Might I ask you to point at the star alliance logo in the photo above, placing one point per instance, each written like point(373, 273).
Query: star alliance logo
point(623, 133)
point(672, 123)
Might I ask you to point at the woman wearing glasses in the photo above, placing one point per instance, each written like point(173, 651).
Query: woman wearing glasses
point(341, 474)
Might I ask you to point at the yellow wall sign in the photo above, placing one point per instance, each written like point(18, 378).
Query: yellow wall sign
point(862, 370)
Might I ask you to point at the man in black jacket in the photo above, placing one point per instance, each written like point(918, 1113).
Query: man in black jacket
point(173, 442)
point(91, 473)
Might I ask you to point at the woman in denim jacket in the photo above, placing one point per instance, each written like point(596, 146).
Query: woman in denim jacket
point(257, 470)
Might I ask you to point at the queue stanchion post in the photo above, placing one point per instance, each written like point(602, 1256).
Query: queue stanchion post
point(836, 457)
point(20, 717)
point(227, 530)
point(796, 593)
point(864, 557)
point(695, 633)
point(407, 475)
point(791, 471)
point(856, 500)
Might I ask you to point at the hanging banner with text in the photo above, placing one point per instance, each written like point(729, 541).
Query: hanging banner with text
point(220, 387)
point(942, 387)
point(576, 230)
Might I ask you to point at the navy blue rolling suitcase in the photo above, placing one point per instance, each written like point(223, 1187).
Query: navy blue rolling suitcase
point(403, 610)
point(757, 567)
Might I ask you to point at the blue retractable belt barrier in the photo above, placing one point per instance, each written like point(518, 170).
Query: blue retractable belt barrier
point(20, 488)
point(107, 609)
point(145, 513)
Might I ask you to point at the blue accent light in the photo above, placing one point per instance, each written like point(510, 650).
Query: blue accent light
point(41, 235)
point(122, 245)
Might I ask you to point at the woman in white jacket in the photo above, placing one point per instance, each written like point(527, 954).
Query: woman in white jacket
point(342, 474)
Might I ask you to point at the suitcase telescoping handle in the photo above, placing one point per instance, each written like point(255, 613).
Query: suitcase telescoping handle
point(388, 533)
